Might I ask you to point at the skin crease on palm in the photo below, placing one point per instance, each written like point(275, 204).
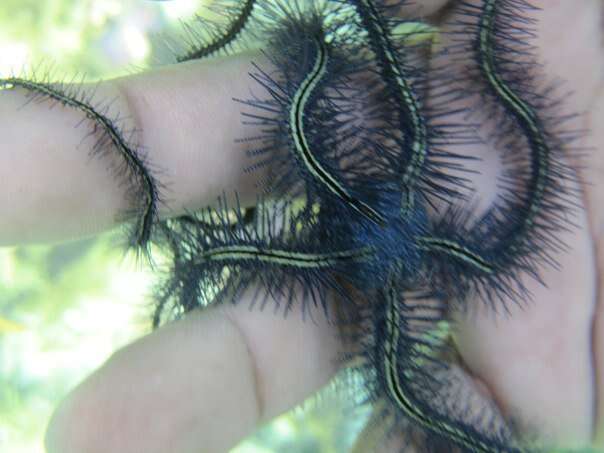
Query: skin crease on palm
point(205, 382)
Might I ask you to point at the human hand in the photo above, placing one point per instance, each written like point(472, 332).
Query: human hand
point(214, 406)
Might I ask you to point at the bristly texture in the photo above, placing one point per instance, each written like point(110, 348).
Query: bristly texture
point(394, 244)
point(338, 121)
point(135, 171)
point(518, 235)
point(411, 121)
point(419, 393)
point(426, 164)
point(280, 256)
point(357, 131)
point(210, 37)
point(310, 140)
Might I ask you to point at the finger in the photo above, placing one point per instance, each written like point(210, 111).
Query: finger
point(187, 122)
point(199, 384)
point(525, 358)
point(580, 60)
point(587, 53)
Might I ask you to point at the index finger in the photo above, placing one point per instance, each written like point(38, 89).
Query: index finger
point(184, 121)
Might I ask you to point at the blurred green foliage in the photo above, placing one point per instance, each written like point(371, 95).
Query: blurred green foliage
point(65, 308)
point(73, 303)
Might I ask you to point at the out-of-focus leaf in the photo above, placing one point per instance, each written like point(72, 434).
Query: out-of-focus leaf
point(9, 326)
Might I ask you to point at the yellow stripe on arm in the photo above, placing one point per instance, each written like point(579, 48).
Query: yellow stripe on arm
point(303, 148)
point(399, 391)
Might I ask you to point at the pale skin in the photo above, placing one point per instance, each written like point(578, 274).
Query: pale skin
point(206, 381)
